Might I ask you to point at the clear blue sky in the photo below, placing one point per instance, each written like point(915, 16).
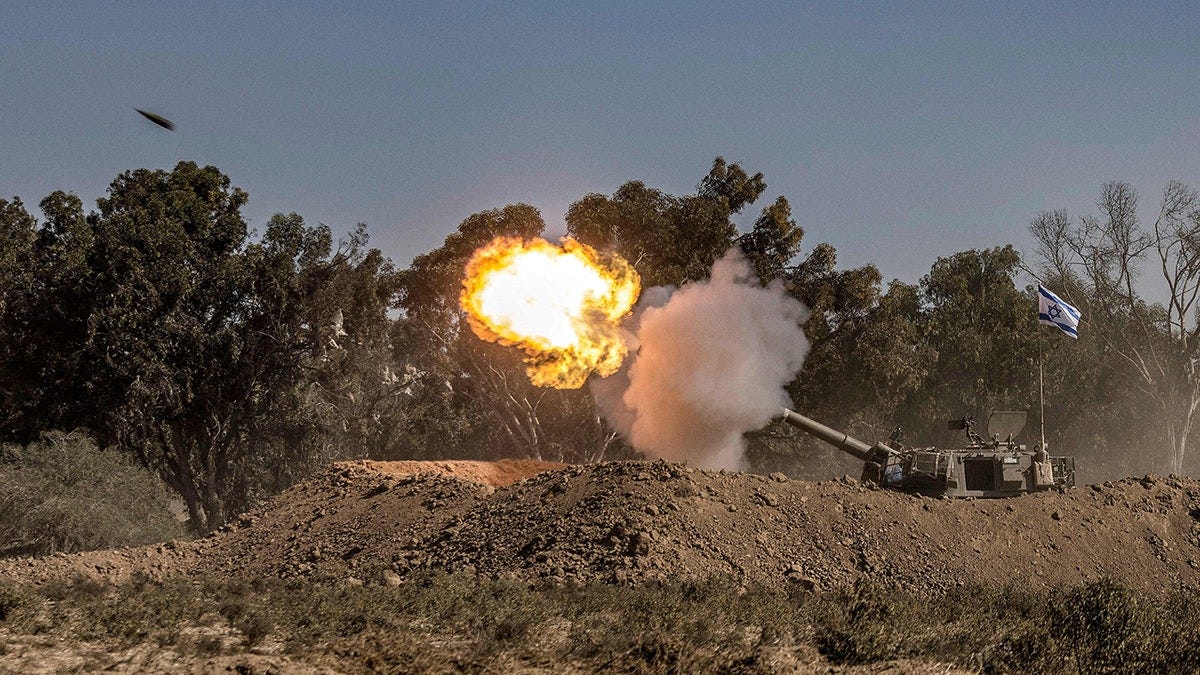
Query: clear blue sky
point(899, 132)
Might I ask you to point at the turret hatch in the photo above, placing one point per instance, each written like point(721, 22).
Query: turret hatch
point(1003, 425)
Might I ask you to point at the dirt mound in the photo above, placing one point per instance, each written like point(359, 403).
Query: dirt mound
point(156, 561)
point(347, 517)
point(630, 522)
point(305, 503)
point(497, 474)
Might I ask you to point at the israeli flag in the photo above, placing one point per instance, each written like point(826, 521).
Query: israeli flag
point(1052, 311)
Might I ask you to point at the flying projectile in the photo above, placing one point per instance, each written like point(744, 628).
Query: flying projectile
point(158, 119)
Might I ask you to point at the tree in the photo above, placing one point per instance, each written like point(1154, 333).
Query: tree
point(960, 342)
point(18, 231)
point(1091, 411)
point(671, 240)
point(842, 305)
point(773, 242)
point(862, 361)
point(488, 381)
point(979, 328)
point(356, 392)
point(1098, 261)
point(865, 358)
point(159, 325)
point(430, 287)
point(39, 332)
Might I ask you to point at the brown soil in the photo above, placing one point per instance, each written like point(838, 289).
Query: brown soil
point(629, 522)
point(497, 474)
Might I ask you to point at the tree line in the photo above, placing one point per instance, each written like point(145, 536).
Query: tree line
point(232, 362)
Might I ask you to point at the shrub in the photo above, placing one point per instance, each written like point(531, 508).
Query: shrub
point(1099, 627)
point(864, 625)
point(1175, 627)
point(1026, 648)
point(10, 601)
point(63, 493)
point(1102, 626)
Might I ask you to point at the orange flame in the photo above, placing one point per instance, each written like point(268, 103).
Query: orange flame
point(561, 305)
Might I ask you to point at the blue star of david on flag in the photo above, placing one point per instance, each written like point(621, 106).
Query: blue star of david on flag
point(1052, 311)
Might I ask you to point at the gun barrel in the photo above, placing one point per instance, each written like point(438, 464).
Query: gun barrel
point(837, 439)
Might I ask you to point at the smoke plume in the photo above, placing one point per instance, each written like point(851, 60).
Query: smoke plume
point(708, 362)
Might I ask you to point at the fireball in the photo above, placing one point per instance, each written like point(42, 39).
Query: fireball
point(560, 304)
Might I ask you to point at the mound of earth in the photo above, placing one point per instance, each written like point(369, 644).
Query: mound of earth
point(497, 474)
point(632, 522)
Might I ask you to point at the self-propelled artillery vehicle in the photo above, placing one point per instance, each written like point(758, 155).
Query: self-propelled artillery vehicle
point(993, 467)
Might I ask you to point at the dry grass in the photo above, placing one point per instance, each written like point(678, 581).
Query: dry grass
point(444, 623)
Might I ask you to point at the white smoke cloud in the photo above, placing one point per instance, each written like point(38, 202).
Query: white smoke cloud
point(708, 362)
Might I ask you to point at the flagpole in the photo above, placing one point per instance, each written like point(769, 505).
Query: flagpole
point(1065, 318)
point(1041, 391)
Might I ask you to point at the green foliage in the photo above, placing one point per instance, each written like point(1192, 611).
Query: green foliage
point(160, 326)
point(1100, 627)
point(463, 391)
point(961, 342)
point(865, 359)
point(475, 394)
point(63, 493)
point(774, 240)
point(17, 234)
point(674, 239)
point(231, 365)
point(981, 331)
point(452, 365)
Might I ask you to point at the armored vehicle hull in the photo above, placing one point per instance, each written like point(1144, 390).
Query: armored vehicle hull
point(985, 469)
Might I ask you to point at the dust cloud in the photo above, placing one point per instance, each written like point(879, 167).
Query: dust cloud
point(708, 362)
